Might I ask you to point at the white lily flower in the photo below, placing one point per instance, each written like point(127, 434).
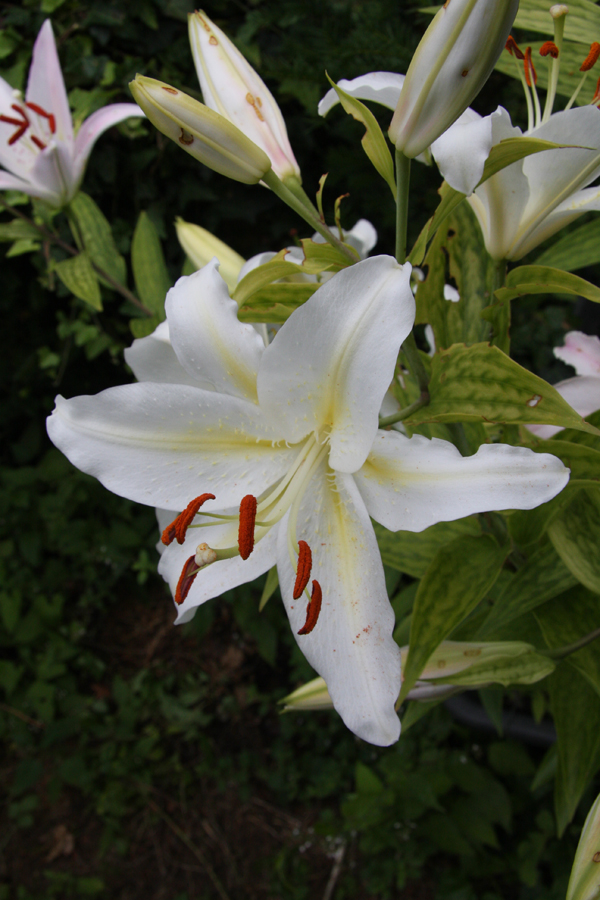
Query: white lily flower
point(41, 155)
point(582, 351)
point(232, 88)
point(287, 443)
point(454, 59)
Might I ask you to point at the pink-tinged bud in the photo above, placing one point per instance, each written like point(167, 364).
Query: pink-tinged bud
point(231, 87)
point(451, 64)
point(200, 131)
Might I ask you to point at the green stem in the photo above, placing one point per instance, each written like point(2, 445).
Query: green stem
point(294, 186)
point(404, 413)
point(416, 364)
point(562, 652)
point(73, 251)
point(501, 325)
point(402, 190)
point(313, 219)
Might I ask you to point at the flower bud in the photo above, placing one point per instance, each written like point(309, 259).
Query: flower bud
point(584, 883)
point(200, 246)
point(312, 695)
point(203, 133)
point(231, 87)
point(451, 64)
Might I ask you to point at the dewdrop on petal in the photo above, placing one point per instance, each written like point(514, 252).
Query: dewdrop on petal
point(451, 64)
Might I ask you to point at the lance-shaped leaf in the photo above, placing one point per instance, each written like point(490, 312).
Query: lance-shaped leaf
point(501, 155)
point(576, 250)
point(567, 619)
point(280, 267)
point(526, 527)
point(575, 533)
point(459, 577)
point(93, 233)
point(79, 277)
point(275, 302)
point(576, 713)
point(481, 383)
point(373, 142)
point(526, 280)
point(149, 268)
point(412, 552)
point(19, 230)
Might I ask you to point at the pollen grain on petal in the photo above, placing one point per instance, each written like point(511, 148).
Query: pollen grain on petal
point(186, 579)
point(549, 48)
point(313, 609)
point(247, 522)
point(304, 567)
point(591, 59)
point(179, 526)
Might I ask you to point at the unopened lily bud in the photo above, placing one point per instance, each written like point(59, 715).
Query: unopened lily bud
point(232, 88)
point(200, 131)
point(584, 883)
point(201, 246)
point(205, 555)
point(451, 64)
point(312, 695)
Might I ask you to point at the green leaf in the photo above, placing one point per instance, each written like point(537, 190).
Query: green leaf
point(318, 258)
point(575, 250)
point(504, 154)
point(481, 383)
point(152, 279)
point(576, 712)
point(93, 233)
point(583, 461)
point(275, 302)
point(527, 526)
point(457, 254)
point(526, 280)
point(564, 621)
point(459, 576)
point(542, 577)
point(412, 553)
point(575, 533)
point(19, 229)
point(373, 142)
point(271, 585)
point(142, 327)
point(583, 19)
point(25, 245)
point(79, 277)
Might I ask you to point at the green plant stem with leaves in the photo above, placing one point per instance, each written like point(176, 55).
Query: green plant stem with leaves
point(49, 237)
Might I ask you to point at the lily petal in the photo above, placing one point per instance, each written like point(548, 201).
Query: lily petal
point(334, 358)
point(587, 200)
point(582, 351)
point(152, 358)
point(218, 577)
point(210, 342)
point(163, 444)
point(95, 125)
point(380, 87)
point(46, 86)
point(581, 392)
point(351, 646)
point(411, 483)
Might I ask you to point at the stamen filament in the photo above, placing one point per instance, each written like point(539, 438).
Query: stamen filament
point(558, 14)
point(531, 79)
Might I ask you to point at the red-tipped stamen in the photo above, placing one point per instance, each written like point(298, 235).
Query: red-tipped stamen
point(18, 134)
point(21, 111)
point(179, 526)
point(12, 121)
point(549, 48)
point(186, 579)
point(39, 144)
point(304, 567)
point(22, 123)
point(42, 112)
point(530, 73)
point(313, 609)
point(513, 48)
point(591, 59)
point(247, 522)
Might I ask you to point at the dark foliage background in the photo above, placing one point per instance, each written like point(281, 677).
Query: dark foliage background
point(142, 761)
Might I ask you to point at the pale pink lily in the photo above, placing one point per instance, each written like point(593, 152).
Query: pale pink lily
point(41, 155)
point(582, 351)
point(294, 426)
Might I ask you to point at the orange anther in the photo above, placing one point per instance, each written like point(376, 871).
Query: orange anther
point(246, 529)
point(313, 609)
point(40, 144)
point(549, 47)
point(186, 579)
point(18, 134)
point(304, 567)
point(530, 73)
point(591, 59)
point(42, 112)
point(179, 526)
point(512, 47)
